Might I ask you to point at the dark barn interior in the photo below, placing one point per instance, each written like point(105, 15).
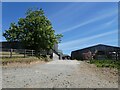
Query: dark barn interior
point(99, 52)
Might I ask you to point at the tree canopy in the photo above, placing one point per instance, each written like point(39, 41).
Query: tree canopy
point(34, 31)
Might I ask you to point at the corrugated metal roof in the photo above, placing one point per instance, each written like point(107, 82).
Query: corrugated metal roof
point(97, 46)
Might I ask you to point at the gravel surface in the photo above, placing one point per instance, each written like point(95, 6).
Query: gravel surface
point(58, 74)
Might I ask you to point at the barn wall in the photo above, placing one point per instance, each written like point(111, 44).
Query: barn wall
point(18, 45)
point(14, 45)
point(78, 53)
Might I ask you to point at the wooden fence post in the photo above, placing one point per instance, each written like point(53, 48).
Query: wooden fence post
point(24, 52)
point(11, 53)
point(32, 52)
point(117, 55)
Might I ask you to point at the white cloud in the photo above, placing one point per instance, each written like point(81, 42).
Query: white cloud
point(76, 6)
point(112, 21)
point(89, 21)
point(69, 7)
point(78, 42)
point(100, 27)
point(83, 45)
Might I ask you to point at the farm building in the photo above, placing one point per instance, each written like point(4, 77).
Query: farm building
point(65, 57)
point(18, 45)
point(99, 52)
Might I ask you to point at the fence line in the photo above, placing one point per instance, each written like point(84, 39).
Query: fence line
point(16, 53)
point(22, 53)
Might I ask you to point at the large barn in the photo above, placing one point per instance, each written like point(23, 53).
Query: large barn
point(18, 45)
point(99, 52)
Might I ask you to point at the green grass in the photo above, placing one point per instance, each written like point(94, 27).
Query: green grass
point(106, 63)
point(14, 54)
point(28, 60)
point(7, 53)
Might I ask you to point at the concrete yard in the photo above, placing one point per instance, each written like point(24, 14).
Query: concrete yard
point(58, 74)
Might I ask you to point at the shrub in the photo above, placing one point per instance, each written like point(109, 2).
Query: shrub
point(106, 63)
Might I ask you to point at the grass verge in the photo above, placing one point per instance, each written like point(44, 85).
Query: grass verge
point(106, 63)
point(26, 60)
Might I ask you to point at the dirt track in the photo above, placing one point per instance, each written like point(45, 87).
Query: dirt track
point(59, 74)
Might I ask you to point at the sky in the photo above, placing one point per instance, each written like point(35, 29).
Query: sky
point(82, 24)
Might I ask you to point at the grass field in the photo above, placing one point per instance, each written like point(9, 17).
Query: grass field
point(106, 63)
point(27, 60)
point(7, 54)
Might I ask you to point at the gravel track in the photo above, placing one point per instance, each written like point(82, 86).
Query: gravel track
point(57, 74)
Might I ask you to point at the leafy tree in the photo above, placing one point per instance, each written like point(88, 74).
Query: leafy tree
point(58, 37)
point(12, 34)
point(35, 31)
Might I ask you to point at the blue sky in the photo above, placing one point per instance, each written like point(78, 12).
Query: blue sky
point(83, 24)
